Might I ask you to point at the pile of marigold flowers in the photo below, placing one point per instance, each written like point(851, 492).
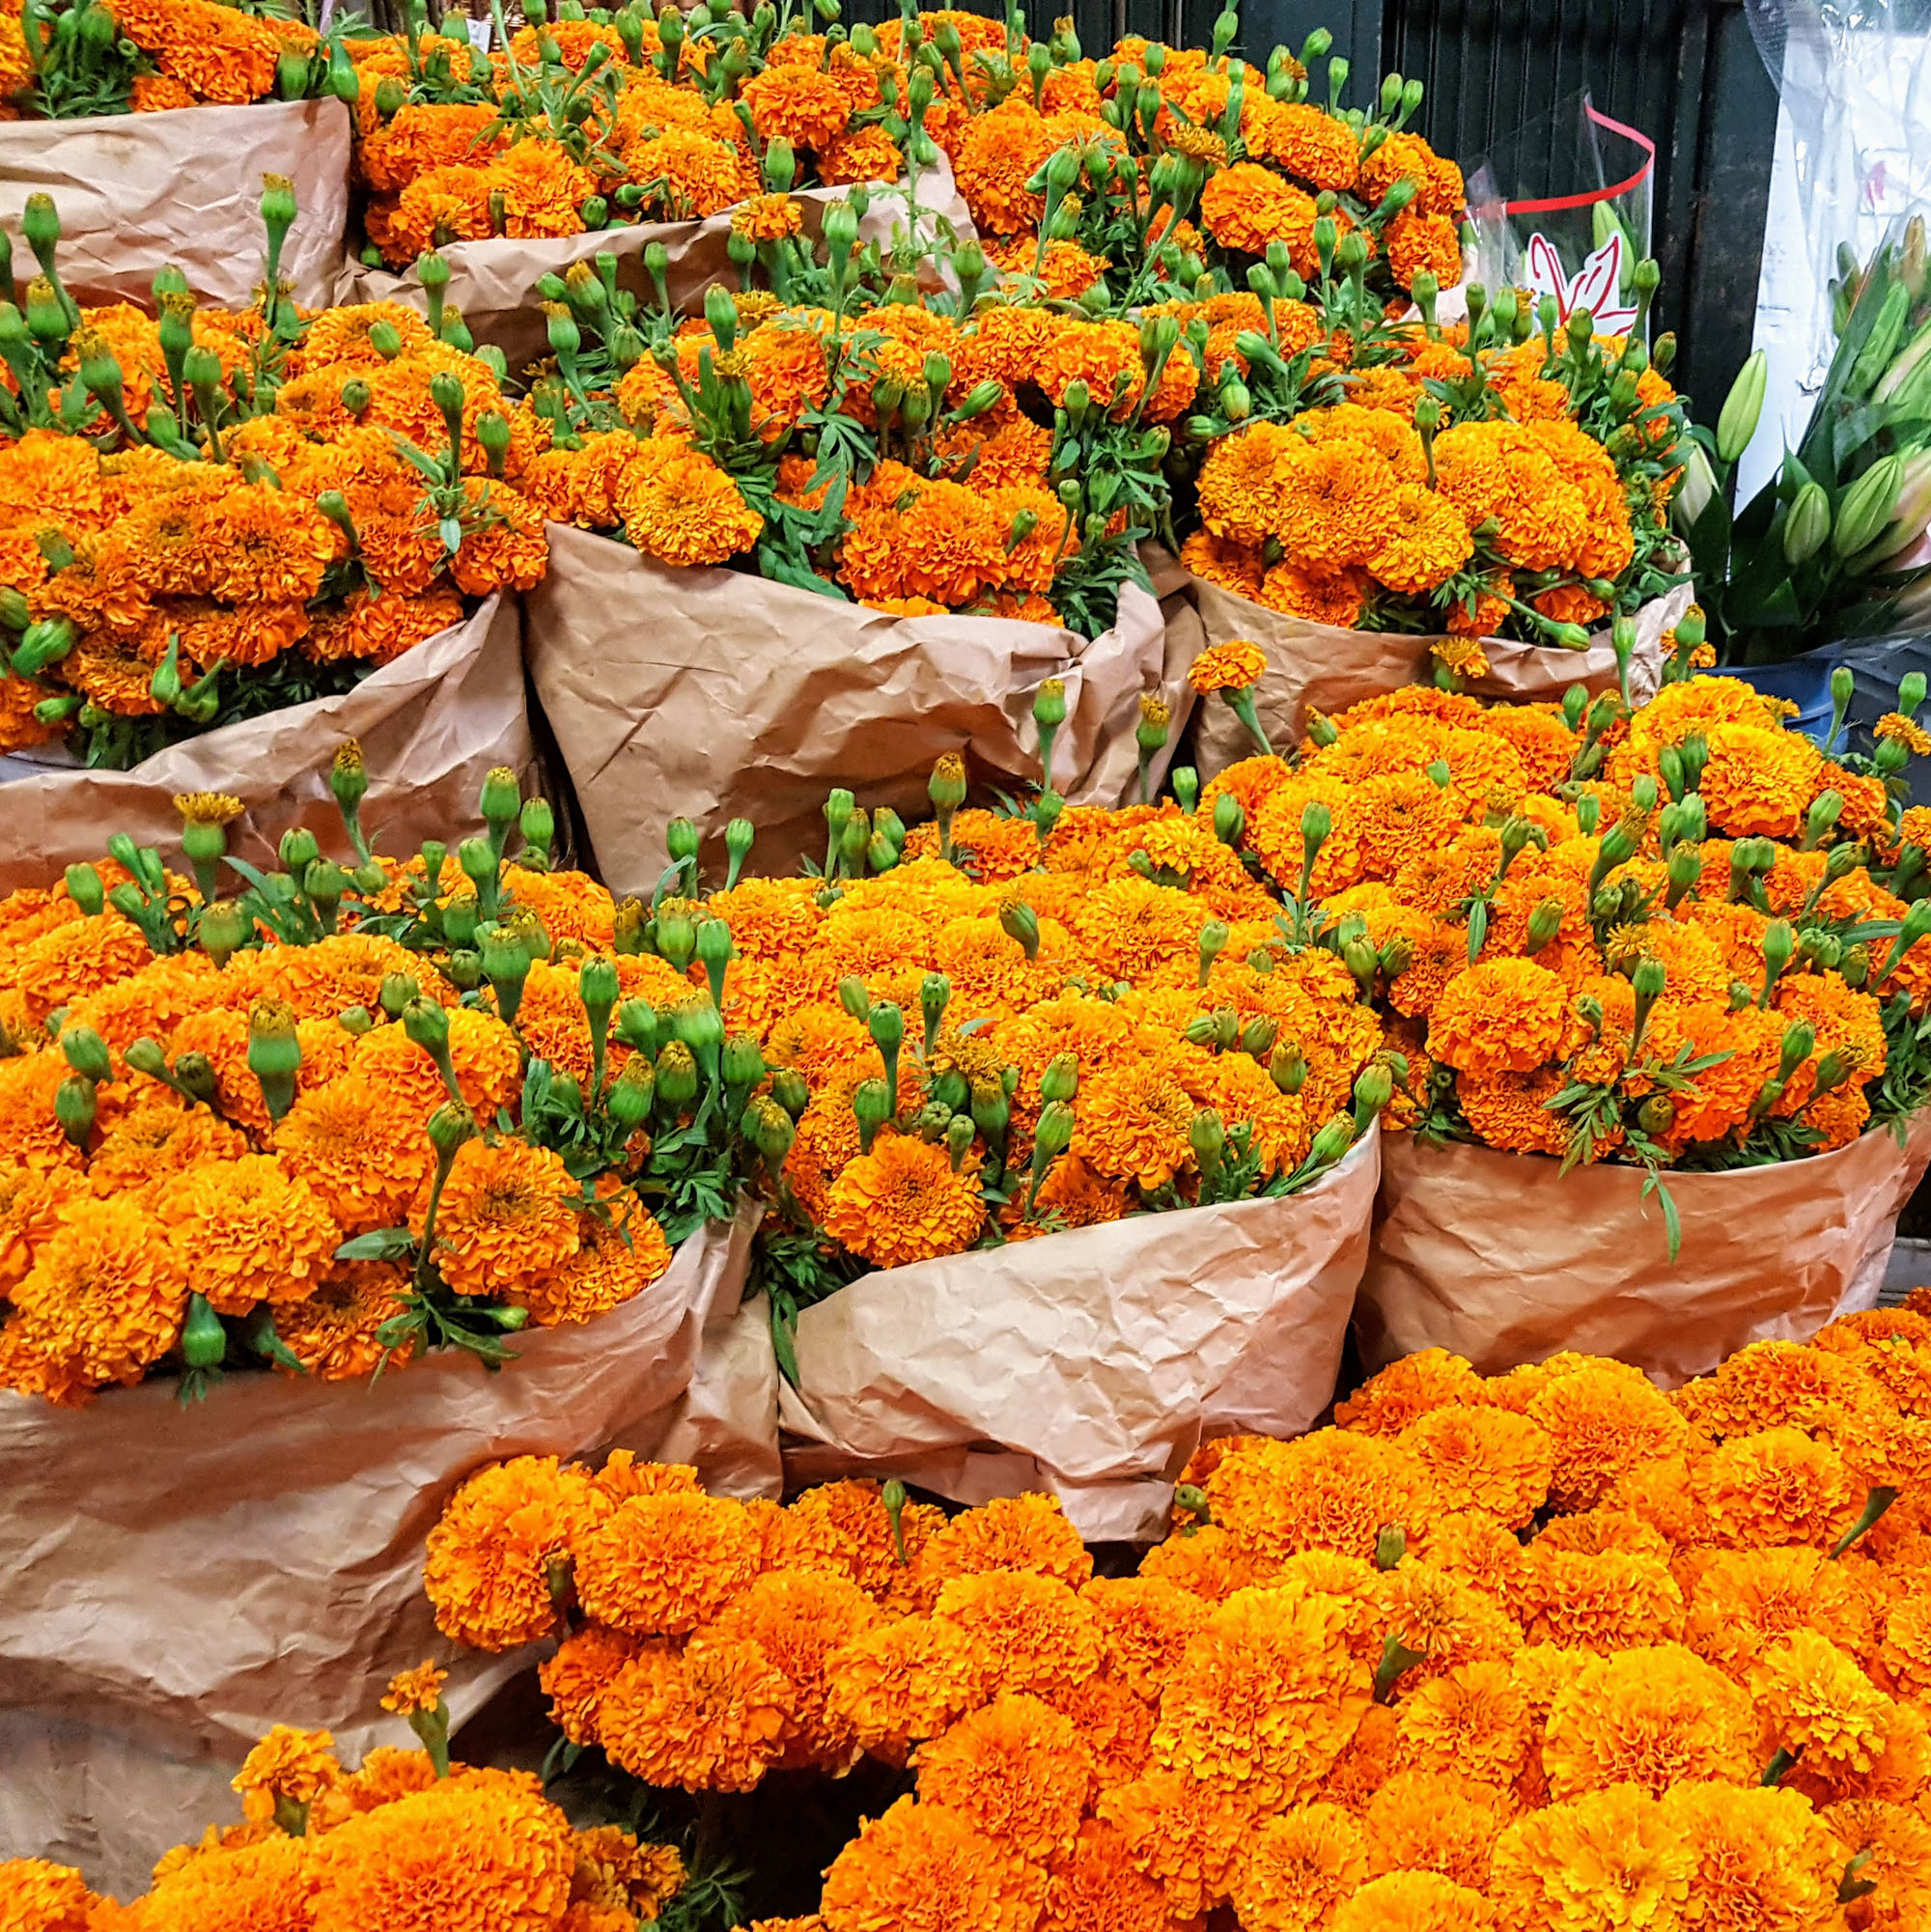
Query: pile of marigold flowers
point(1485, 479)
point(1679, 936)
point(983, 456)
point(207, 515)
point(587, 124)
point(69, 58)
point(1548, 1649)
point(1016, 1031)
point(357, 1111)
point(407, 1838)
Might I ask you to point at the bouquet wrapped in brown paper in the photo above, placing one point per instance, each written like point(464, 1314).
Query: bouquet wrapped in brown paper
point(1088, 1363)
point(489, 281)
point(723, 696)
point(141, 192)
point(175, 1580)
point(1325, 667)
point(433, 723)
point(1506, 1258)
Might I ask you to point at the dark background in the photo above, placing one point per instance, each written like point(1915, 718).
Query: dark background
point(1686, 74)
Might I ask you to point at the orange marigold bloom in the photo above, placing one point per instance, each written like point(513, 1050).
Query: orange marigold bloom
point(1502, 1016)
point(681, 509)
point(1814, 1701)
point(1898, 1866)
point(924, 1868)
point(483, 1848)
point(1145, 1626)
point(1187, 1839)
point(1016, 1770)
point(246, 1233)
point(1027, 1533)
point(904, 1203)
point(505, 1221)
point(105, 1296)
point(1472, 1720)
point(662, 1565)
point(1652, 1717)
point(289, 1764)
point(489, 1561)
point(1604, 1420)
point(1484, 1459)
point(36, 1895)
point(1298, 1868)
point(586, 1664)
point(1246, 206)
point(1027, 1632)
point(1264, 1699)
point(714, 1718)
point(1096, 1885)
point(1775, 1486)
point(1232, 666)
point(413, 1691)
point(1413, 1901)
point(902, 1683)
point(1417, 1385)
point(1610, 1858)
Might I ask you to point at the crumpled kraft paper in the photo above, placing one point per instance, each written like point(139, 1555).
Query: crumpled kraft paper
point(720, 695)
point(173, 1581)
point(1323, 667)
point(1089, 1364)
point(491, 282)
point(431, 724)
point(137, 191)
point(1504, 1259)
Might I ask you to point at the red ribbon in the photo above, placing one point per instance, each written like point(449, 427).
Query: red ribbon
point(1551, 204)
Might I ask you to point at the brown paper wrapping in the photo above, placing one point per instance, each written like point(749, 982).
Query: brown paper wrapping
point(431, 724)
point(137, 191)
point(173, 1581)
point(1088, 1363)
point(720, 696)
point(1325, 668)
point(491, 282)
point(1504, 1259)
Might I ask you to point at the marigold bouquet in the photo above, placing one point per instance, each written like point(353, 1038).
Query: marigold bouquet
point(1026, 1026)
point(210, 515)
point(1678, 936)
point(1484, 479)
point(406, 1837)
point(1160, 173)
point(956, 454)
point(65, 58)
point(1503, 1652)
point(580, 123)
point(356, 1111)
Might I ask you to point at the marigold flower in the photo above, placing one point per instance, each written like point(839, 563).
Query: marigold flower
point(714, 1718)
point(662, 1565)
point(495, 1558)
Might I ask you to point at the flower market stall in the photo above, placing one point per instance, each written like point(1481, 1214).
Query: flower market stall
point(897, 1031)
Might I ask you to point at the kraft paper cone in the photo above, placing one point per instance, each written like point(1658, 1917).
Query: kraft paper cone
point(1089, 1364)
point(1504, 1259)
point(431, 724)
point(720, 695)
point(491, 282)
point(1323, 667)
point(173, 1581)
point(138, 192)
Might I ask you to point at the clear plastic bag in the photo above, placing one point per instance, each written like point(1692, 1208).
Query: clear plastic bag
point(1853, 159)
point(1562, 209)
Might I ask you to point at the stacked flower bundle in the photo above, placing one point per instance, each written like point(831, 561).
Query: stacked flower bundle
point(1677, 937)
point(343, 1117)
point(1002, 459)
point(1011, 1033)
point(207, 515)
point(1139, 174)
point(1543, 1650)
point(407, 1838)
point(1483, 479)
point(67, 58)
point(584, 124)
